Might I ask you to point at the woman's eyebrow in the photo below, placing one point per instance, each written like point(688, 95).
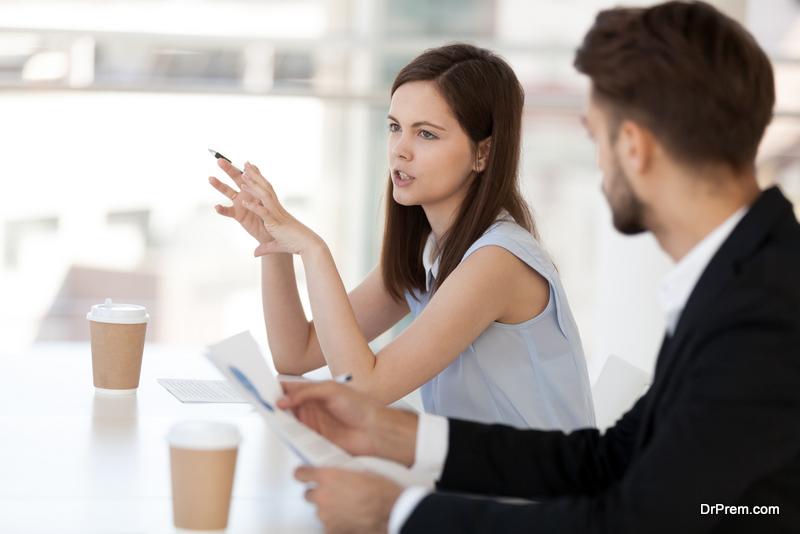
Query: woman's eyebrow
point(419, 123)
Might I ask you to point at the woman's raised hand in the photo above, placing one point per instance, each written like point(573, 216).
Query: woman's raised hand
point(290, 235)
point(251, 222)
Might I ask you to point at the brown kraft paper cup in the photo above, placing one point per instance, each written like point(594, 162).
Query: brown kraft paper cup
point(202, 483)
point(117, 354)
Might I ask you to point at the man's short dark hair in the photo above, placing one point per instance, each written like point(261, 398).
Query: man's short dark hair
point(694, 77)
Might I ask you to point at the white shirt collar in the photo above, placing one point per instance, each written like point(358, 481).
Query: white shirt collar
point(430, 263)
point(678, 284)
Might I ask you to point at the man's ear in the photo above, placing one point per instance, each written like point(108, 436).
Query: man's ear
point(635, 147)
point(482, 154)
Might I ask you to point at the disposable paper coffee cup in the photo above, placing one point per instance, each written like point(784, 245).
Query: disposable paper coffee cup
point(203, 462)
point(117, 335)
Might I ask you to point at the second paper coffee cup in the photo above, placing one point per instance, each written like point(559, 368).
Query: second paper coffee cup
point(117, 336)
point(203, 462)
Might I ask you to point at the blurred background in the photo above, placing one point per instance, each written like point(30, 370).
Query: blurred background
point(108, 109)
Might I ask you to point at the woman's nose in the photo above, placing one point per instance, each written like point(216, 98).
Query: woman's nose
point(400, 149)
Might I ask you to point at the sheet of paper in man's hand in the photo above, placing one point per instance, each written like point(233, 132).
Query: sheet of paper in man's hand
point(240, 360)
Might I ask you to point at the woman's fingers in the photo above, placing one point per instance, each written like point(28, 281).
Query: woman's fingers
point(238, 178)
point(264, 199)
point(255, 190)
point(260, 210)
point(228, 191)
point(251, 172)
point(270, 247)
point(262, 187)
point(227, 211)
point(223, 188)
point(229, 169)
point(258, 186)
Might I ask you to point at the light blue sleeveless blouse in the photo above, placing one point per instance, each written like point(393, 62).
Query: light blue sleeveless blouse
point(527, 375)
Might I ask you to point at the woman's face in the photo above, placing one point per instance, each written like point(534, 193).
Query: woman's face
point(430, 156)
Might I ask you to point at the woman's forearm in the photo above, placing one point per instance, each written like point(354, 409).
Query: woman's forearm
point(288, 330)
point(342, 342)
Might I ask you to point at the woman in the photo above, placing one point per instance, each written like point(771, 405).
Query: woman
point(493, 338)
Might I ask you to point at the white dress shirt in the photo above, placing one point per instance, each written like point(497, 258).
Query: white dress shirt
point(678, 284)
point(430, 452)
point(676, 287)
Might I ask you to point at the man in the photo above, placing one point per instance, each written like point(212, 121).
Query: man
point(679, 101)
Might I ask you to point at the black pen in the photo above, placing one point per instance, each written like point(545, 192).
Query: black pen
point(343, 379)
point(218, 156)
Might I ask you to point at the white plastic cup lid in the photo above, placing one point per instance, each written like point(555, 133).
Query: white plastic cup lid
point(110, 312)
point(204, 436)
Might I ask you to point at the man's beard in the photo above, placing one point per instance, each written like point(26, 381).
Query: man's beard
point(626, 208)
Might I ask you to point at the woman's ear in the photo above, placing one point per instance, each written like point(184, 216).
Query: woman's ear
point(482, 154)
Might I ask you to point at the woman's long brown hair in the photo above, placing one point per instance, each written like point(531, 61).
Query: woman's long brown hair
point(486, 98)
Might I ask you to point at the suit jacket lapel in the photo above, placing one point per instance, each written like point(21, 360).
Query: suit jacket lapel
point(721, 271)
point(718, 275)
point(712, 282)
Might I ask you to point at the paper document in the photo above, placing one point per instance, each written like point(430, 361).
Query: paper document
point(201, 390)
point(239, 358)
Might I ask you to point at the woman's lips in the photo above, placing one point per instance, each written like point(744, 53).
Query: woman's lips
point(401, 179)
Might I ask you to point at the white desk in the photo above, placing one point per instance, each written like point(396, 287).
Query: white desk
point(73, 461)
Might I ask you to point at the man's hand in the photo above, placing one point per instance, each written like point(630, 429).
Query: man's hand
point(353, 421)
point(350, 502)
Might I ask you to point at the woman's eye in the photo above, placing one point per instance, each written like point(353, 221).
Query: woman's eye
point(427, 135)
point(394, 127)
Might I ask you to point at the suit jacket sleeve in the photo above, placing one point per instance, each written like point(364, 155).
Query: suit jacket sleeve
point(734, 422)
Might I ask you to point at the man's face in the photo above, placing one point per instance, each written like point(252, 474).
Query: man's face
point(626, 208)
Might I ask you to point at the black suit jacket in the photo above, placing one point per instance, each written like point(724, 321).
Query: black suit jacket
point(719, 425)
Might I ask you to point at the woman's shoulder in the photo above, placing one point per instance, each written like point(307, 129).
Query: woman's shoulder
point(506, 226)
point(507, 230)
point(507, 234)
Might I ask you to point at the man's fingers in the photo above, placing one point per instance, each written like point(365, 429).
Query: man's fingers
point(306, 473)
point(322, 391)
point(308, 416)
point(289, 387)
point(294, 385)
